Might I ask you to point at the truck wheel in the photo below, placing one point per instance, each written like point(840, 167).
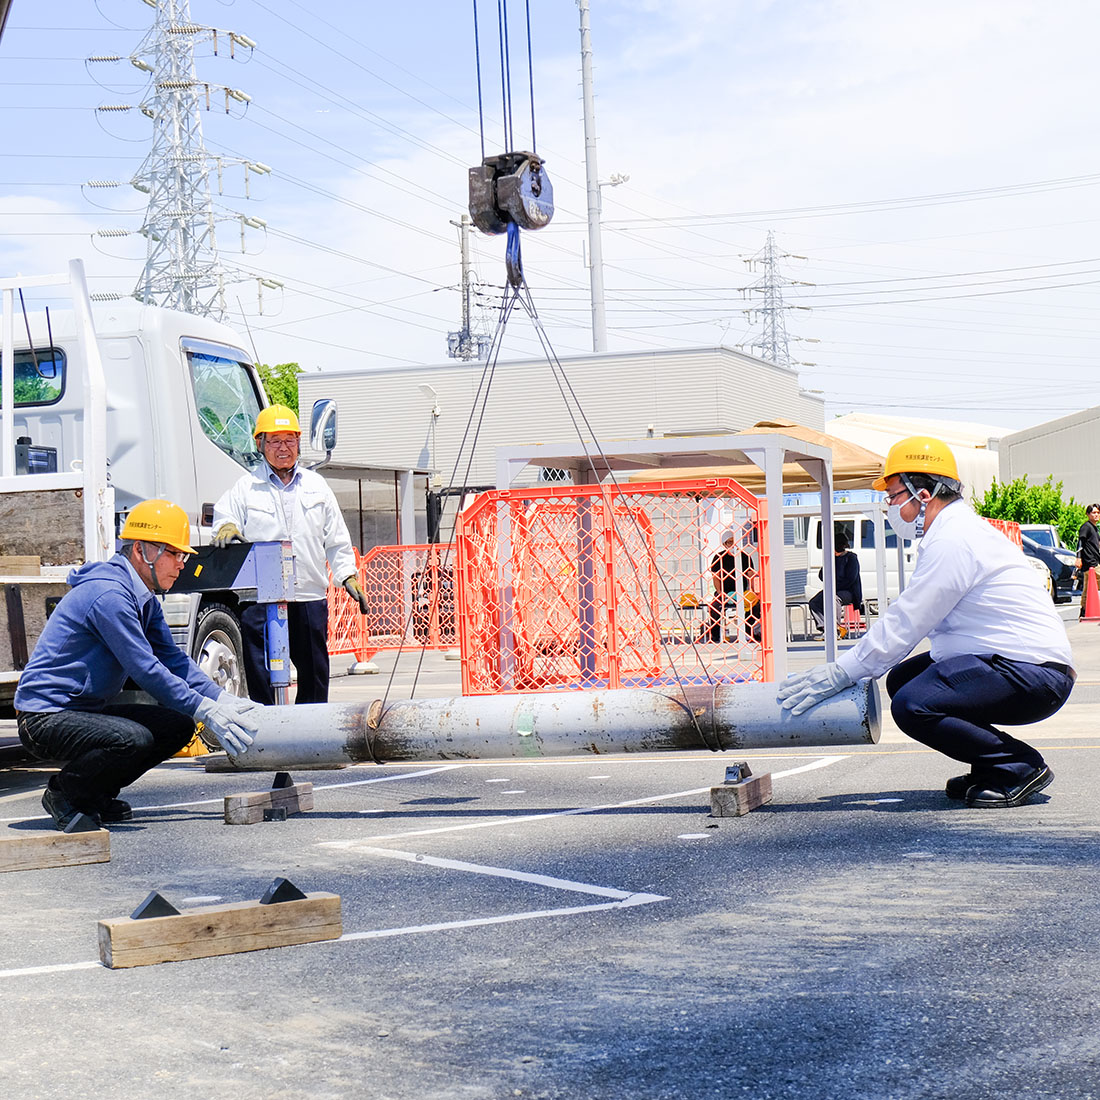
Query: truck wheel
point(219, 652)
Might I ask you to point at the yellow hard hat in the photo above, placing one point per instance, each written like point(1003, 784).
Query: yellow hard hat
point(276, 418)
point(919, 454)
point(159, 521)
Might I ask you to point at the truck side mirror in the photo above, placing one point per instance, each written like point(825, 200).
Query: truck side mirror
point(322, 428)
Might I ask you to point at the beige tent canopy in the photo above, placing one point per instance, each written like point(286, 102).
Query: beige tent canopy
point(854, 467)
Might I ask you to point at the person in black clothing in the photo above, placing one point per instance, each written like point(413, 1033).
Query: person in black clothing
point(1088, 549)
point(723, 575)
point(849, 586)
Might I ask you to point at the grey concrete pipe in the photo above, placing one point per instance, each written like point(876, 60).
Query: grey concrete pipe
point(570, 723)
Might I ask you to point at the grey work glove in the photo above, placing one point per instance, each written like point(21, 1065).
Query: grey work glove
point(356, 592)
point(233, 727)
point(803, 690)
point(227, 533)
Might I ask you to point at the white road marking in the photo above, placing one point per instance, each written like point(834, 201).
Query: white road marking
point(693, 836)
point(317, 787)
point(513, 792)
point(535, 914)
point(495, 823)
point(494, 872)
point(57, 968)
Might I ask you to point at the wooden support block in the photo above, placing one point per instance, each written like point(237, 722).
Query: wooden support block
point(247, 809)
point(219, 930)
point(737, 799)
point(26, 851)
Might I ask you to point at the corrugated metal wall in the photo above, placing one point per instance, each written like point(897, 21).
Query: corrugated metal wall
point(1065, 448)
point(386, 417)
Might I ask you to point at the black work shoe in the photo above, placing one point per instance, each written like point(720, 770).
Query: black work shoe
point(958, 785)
point(115, 810)
point(62, 810)
point(996, 798)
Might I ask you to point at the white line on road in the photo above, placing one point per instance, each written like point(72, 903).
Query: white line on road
point(496, 872)
point(823, 762)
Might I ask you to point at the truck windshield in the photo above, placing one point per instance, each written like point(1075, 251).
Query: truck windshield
point(226, 399)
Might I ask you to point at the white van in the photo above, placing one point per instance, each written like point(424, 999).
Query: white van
point(860, 532)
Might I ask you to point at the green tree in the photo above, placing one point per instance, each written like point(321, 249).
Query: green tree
point(1017, 500)
point(281, 383)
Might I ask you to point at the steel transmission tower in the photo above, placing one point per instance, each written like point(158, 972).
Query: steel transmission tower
point(182, 267)
point(773, 343)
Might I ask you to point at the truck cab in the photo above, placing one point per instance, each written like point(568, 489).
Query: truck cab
point(181, 396)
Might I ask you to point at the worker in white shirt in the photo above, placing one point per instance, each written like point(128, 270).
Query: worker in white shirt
point(999, 652)
point(280, 500)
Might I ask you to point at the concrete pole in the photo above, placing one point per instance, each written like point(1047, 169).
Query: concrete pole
point(725, 717)
point(595, 247)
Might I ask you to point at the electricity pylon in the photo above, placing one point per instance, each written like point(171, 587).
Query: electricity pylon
point(182, 267)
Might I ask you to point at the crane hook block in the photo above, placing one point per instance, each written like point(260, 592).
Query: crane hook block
point(512, 188)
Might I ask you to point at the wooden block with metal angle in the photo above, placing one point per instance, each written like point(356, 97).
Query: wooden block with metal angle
point(157, 932)
point(285, 797)
point(741, 793)
point(32, 851)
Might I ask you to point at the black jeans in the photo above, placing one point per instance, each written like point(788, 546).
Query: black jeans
point(105, 750)
point(307, 627)
point(951, 706)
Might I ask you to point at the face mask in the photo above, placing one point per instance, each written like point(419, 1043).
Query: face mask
point(911, 529)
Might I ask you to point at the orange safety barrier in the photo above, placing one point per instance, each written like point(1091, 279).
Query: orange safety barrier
point(601, 586)
point(410, 602)
point(1009, 528)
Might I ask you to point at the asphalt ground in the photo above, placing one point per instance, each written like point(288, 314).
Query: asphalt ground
point(582, 928)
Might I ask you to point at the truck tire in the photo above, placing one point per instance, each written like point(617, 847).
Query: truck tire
point(219, 652)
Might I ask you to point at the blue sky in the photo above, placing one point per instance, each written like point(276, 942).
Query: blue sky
point(931, 169)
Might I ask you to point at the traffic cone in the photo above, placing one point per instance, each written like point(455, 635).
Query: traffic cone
point(1092, 599)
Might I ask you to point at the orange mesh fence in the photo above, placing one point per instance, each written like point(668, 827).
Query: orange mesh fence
point(410, 602)
point(600, 586)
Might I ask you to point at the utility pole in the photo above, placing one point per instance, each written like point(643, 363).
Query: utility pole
point(595, 246)
point(466, 344)
point(182, 267)
point(773, 342)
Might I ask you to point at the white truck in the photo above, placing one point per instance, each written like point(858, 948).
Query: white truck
point(103, 410)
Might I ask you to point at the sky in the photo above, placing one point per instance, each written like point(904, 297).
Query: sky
point(930, 174)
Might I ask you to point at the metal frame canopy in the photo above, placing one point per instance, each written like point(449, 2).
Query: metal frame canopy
point(767, 451)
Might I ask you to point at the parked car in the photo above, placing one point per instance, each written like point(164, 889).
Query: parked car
point(1045, 534)
point(1062, 566)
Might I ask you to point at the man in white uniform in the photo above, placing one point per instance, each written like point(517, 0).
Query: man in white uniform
point(280, 500)
point(999, 652)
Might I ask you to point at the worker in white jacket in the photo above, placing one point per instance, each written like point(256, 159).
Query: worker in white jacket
point(998, 650)
point(280, 500)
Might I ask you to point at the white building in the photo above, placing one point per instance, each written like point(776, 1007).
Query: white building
point(422, 417)
point(1064, 448)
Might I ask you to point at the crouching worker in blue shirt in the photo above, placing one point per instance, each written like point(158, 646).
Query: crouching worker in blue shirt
point(109, 627)
point(999, 655)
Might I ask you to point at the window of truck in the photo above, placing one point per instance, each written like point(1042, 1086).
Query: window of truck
point(226, 399)
point(39, 377)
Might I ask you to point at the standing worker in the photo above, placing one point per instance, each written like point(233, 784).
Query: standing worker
point(277, 501)
point(1088, 550)
point(107, 628)
point(999, 652)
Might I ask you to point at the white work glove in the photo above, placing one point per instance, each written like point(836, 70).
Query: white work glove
point(233, 727)
point(803, 690)
point(239, 703)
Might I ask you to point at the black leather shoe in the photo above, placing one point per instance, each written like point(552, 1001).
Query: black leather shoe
point(61, 809)
point(999, 798)
point(115, 810)
point(958, 785)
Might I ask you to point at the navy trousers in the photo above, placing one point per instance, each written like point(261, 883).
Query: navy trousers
point(955, 705)
point(105, 750)
point(307, 626)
